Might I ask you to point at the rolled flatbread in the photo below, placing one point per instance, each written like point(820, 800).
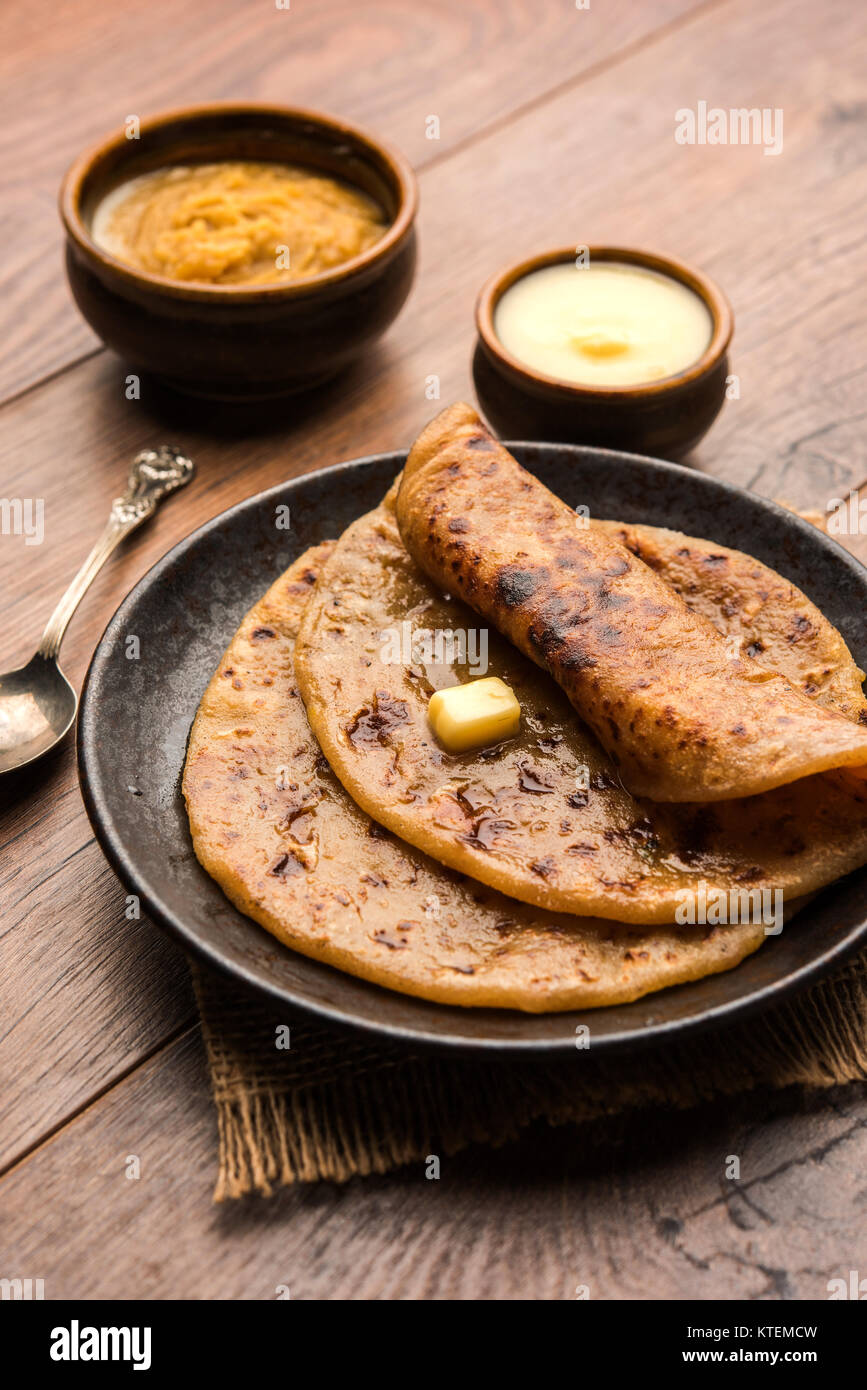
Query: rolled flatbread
point(681, 718)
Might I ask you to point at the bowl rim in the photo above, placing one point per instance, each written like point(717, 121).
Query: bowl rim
point(398, 165)
point(718, 306)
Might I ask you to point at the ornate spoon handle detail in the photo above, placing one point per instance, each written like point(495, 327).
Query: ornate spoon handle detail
point(154, 474)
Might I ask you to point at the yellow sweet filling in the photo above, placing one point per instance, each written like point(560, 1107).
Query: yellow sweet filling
point(237, 223)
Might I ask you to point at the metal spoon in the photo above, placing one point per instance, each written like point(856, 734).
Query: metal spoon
point(37, 703)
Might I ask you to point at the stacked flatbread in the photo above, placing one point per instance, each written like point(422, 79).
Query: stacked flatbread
point(692, 728)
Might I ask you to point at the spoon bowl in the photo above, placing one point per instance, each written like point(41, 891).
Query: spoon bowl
point(37, 703)
point(37, 707)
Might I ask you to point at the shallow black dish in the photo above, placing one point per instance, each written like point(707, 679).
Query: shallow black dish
point(135, 717)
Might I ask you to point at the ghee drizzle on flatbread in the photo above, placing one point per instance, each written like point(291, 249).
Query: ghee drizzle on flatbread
point(272, 824)
point(543, 817)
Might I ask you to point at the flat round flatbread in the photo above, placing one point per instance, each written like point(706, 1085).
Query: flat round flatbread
point(544, 816)
point(275, 828)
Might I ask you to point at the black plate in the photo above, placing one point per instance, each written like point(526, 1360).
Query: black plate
point(136, 715)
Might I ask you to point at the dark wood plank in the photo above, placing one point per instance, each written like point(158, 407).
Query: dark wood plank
point(68, 74)
point(648, 1216)
point(110, 990)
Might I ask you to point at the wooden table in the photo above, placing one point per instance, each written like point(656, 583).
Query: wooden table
point(556, 124)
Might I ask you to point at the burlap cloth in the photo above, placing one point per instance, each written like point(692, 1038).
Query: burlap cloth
point(338, 1104)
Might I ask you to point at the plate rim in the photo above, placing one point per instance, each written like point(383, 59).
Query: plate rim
point(731, 1011)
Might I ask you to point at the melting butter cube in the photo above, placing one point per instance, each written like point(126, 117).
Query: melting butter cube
point(474, 715)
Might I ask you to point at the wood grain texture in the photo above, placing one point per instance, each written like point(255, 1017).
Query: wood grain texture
point(68, 75)
point(644, 1213)
point(109, 989)
point(543, 145)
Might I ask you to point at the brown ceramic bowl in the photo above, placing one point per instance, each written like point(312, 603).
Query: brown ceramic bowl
point(235, 341)
point(663, 418)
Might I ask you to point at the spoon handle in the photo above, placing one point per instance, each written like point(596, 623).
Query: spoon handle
point(154, 474)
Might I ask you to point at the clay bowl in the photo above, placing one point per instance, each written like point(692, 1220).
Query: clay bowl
point(233, 341)
point(663, 418)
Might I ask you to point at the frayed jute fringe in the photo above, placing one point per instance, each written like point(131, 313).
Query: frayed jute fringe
point(336, 1105)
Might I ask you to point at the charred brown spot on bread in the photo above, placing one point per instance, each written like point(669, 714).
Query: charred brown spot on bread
point(801, 626)
point(543, 868)
point(617, 565)
point(374, 723)
point(470, 799)
point(459, 525)
point(668, 718)
point(575, 659)
point(261, 634)
point(392, 940)
point(555, 629)
point(641, 834)
point(481, 441)
point(286, 866)
point(485, 831)
point(530, 779)
point(515, 586)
